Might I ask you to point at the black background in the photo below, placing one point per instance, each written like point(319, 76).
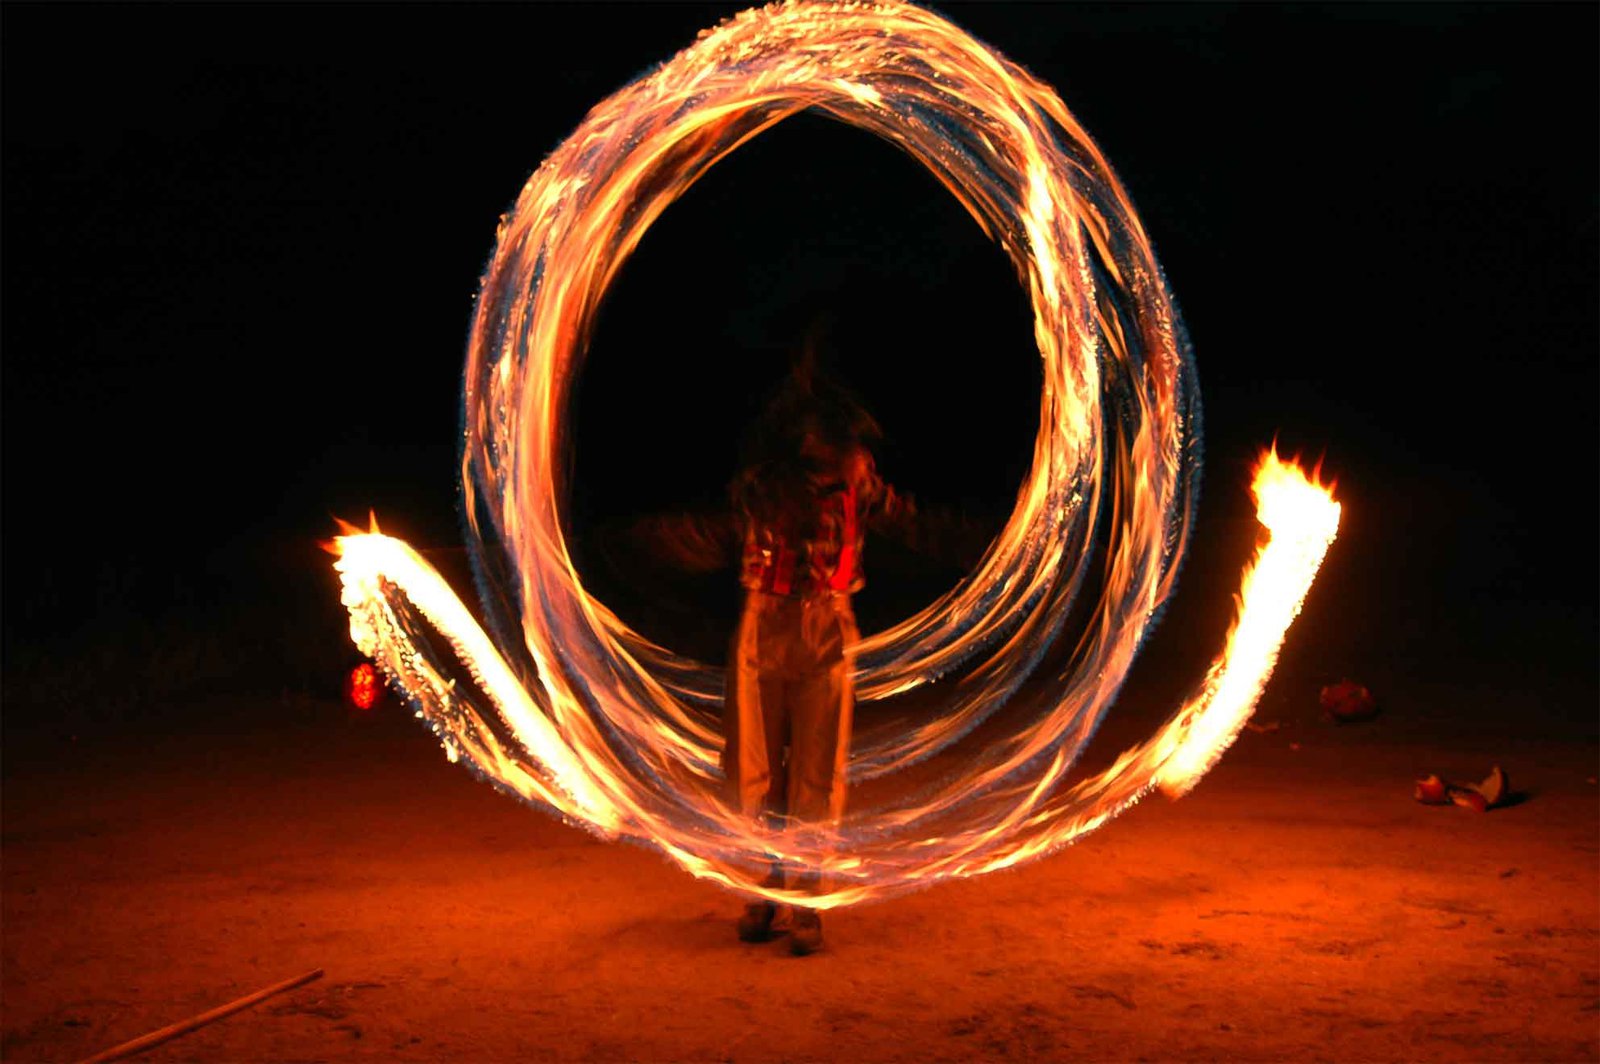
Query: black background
point(241, 245)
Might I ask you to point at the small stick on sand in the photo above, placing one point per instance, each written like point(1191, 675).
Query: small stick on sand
point(155, 1038)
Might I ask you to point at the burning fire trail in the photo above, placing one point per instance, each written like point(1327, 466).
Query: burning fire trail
point(581, 715)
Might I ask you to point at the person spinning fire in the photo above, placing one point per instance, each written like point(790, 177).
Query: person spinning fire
point(806, 494)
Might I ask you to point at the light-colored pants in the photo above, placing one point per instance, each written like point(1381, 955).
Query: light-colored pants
point(789, 690)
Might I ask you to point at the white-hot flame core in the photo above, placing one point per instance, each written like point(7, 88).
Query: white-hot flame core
point(588, 719)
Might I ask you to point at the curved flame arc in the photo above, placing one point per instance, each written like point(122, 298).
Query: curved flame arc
point(1299, 514)
point(573, 711)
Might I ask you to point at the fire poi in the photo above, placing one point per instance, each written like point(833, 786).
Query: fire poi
point(575, 713)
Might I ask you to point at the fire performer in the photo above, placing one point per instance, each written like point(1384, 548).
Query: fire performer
point(806, 495)
point(803, 500)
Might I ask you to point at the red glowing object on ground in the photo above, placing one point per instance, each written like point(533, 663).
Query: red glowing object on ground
point(363, 686)
point(1347, 702)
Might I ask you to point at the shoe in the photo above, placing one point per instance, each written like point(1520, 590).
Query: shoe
point(756, 923)
point(805, 936)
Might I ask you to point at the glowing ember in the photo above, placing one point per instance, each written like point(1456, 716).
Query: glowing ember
point(363, 686)
point(584, 717)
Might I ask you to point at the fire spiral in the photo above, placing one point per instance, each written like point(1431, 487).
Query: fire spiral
point(571, 710)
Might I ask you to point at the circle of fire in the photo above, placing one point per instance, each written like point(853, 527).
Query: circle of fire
point(588, 719)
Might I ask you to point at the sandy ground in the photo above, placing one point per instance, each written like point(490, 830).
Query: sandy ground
point(1299, 905)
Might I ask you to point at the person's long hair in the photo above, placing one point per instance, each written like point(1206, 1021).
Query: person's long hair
point(787, 449)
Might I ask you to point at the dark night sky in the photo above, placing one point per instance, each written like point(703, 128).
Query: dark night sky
point(241, 245)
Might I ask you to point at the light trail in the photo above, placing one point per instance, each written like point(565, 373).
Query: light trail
point(581, 715)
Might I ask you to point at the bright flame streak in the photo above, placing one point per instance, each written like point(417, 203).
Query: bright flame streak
point(622, 735)
point(1303, 519)
point(365, 560)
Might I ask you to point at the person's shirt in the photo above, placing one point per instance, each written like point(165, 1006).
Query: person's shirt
point(819, 551)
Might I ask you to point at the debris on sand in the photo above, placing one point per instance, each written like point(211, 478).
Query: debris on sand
point(1494, 787)
point(1347, 702)
point(1480, 797)
point(1431, 791)
point(177, 1030)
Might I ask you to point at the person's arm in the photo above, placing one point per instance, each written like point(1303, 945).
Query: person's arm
point(881, 507)
point(950, 536)
point(936, 532)
point(693, 542)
